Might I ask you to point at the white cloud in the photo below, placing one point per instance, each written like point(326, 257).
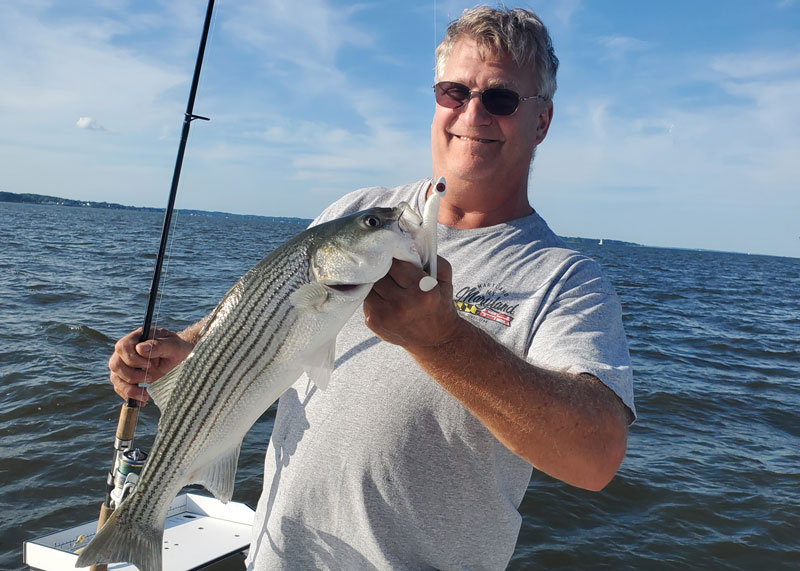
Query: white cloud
point(89, 123)
point(768, 86)
point(755, 65)
point(620, 47)
point(309, 35)
point(565, 10)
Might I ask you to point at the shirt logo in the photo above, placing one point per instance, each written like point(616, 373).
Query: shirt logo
point(486, 301)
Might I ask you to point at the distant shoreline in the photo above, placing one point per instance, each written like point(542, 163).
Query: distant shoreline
point(46, 200)
point(57, 201)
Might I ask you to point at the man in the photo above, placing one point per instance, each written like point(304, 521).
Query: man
point(420, 451)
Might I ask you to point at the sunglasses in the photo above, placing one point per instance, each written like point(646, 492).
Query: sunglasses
point(496, 100)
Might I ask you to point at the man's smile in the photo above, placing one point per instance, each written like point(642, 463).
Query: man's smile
point(474, 139)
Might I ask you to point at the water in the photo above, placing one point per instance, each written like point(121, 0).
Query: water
point(712, 475)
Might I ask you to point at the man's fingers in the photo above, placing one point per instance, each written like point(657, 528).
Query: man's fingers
point(155, 348)
point(130, 375)
point(134, 363)
point(169, 349)
point(444, 270)
point(405, 274)
point(129, 391)
point(125, 348)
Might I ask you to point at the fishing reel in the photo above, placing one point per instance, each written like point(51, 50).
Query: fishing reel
point(128, 468)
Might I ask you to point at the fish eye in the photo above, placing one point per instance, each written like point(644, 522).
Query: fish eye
point(372, 221)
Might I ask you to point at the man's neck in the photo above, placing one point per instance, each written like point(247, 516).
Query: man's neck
point(468, 206)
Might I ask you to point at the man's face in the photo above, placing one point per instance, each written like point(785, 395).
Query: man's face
point(471, 145)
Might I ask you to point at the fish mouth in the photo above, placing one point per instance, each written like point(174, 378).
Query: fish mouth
point(409, 221)
point(344, 288)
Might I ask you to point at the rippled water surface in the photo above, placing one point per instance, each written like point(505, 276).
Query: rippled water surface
point(712, 475)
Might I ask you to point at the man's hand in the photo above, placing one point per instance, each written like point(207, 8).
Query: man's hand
point(133, 363)
point(398, 312)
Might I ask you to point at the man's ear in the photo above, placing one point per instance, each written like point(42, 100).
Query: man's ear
point(543, 121)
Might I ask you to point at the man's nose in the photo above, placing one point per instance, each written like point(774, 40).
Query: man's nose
point(475, 110)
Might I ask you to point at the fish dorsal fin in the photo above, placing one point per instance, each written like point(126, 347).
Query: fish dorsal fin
point(161, 390)
point(310, 295)
point(219, 477)
point(319, 365)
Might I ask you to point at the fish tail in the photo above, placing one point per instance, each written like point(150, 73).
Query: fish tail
point(120, 541)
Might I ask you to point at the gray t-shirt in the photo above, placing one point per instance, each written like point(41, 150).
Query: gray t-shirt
point(386, 470)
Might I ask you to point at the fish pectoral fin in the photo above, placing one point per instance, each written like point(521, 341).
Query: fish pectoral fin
point(319, 366)
point(161, 390)
point(310, 295)
point(218, 478)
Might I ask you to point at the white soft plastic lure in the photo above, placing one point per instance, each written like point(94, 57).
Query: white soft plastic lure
point(429, 222)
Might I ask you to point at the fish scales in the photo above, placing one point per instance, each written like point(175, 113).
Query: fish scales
point(271, 303)
point(200, 395)
point(279, 319)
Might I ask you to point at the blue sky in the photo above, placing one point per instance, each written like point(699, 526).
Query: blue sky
point(676, 123)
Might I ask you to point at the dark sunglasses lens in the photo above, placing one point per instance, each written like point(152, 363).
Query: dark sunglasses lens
point(451, 95)
point(500, 101)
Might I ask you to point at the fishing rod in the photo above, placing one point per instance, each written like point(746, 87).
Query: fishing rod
point(128, 461)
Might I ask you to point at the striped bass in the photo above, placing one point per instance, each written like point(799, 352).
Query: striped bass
point(279, 320)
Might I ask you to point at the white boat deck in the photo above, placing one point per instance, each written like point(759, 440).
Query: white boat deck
point(199, 531)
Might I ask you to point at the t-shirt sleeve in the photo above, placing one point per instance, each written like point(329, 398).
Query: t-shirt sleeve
point(582, 331)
